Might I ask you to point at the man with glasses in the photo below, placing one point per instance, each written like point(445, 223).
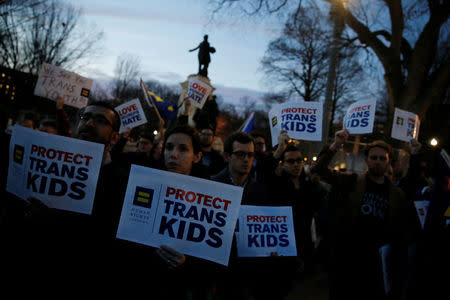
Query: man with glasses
point(293, 187)
point(99, 123)
point(369, 213)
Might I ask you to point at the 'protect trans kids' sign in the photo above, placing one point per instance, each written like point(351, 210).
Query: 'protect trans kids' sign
point(360, 117)
point(263, 230)
point(62, 172)
point(192, 215)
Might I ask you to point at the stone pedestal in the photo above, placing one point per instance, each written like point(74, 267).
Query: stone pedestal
point(184, 94)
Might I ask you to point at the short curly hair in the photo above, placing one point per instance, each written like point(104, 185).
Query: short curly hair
point(379, 144)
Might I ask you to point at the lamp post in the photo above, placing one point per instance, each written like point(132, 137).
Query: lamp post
point(338, 28)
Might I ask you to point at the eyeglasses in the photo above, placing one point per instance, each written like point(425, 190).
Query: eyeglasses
point(380, 158)
point(98, 119)
point(242, 154)
point(292, 161)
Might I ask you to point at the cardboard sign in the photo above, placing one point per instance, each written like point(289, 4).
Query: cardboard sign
point(265, 229)
point(54, 82)
point(360, 117)
point(405, 125)
point(302, 120)
point(198, 92)
point(131, 115)
point(62, 172)
point(274, 124)
point(192, 215)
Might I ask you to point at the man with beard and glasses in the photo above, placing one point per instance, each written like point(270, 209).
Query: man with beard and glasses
point(369, 213)
point(70, 246)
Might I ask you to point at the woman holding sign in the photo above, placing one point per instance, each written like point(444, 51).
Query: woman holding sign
point(181, 154)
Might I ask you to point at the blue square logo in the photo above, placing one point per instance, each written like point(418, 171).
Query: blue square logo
point(143, 197)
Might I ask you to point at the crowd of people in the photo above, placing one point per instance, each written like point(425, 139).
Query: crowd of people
point(356, 216)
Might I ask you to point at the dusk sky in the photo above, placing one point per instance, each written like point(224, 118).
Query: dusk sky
point(160, 33)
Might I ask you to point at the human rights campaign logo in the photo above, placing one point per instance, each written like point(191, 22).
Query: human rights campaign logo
point(18, 153)
point(274, 121)
point(143, 197)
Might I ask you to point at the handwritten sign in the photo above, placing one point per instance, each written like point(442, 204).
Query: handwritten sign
point(62, 172)
point(264, 229)
point(360, 117)
point(405, 125)
point(192, 215)
point(54, 82)
point(131, 115)
point(198, 91)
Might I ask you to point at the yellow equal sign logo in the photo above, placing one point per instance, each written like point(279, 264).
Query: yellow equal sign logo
point(84, 92)
point(18, 154)
point(274, 121)
point(143, 197)
point(399, 121)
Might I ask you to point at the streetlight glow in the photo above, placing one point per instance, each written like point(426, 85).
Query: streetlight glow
point(433, 142)
point(155, 132)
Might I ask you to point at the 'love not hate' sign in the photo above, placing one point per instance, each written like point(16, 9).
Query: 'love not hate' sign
point(54, 82)
point(198, 91)
point(131, 115)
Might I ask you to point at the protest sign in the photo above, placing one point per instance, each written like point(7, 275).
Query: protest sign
point(274, 124)
point(302, 120)
point(194, 216)
point(198, 91)
point(54, 82)
point(360, 117)
point(62, 172)
point(265, 229)
point(405, 125)
point(131, 115)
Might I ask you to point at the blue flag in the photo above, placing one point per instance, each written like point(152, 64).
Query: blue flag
point(248, 125)
point(166, 109)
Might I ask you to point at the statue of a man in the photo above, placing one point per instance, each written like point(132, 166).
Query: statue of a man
point(203, 56)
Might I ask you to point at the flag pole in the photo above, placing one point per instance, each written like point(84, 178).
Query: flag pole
point(148, 102)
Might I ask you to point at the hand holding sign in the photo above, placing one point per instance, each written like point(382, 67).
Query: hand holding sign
point(283, 140)
point(340, 138)
point(171, 257)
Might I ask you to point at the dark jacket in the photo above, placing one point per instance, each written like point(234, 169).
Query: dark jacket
point(356, 268)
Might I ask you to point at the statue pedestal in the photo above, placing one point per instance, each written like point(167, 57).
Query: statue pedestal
point(184, 94)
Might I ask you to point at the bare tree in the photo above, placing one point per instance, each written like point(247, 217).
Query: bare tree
point(126, 81)
point(33, 32)
point(297, 60)
point(412, 78)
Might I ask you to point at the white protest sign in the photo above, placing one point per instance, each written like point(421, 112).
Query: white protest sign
point(360, 117)
point(274, 124)
point(131, 115)
point(405, 125)
point(194, 216)
point(62, 172)
point(422, 209)
point(265, 229)
point(198, 91)
point(54, 82)
point(302, 120)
